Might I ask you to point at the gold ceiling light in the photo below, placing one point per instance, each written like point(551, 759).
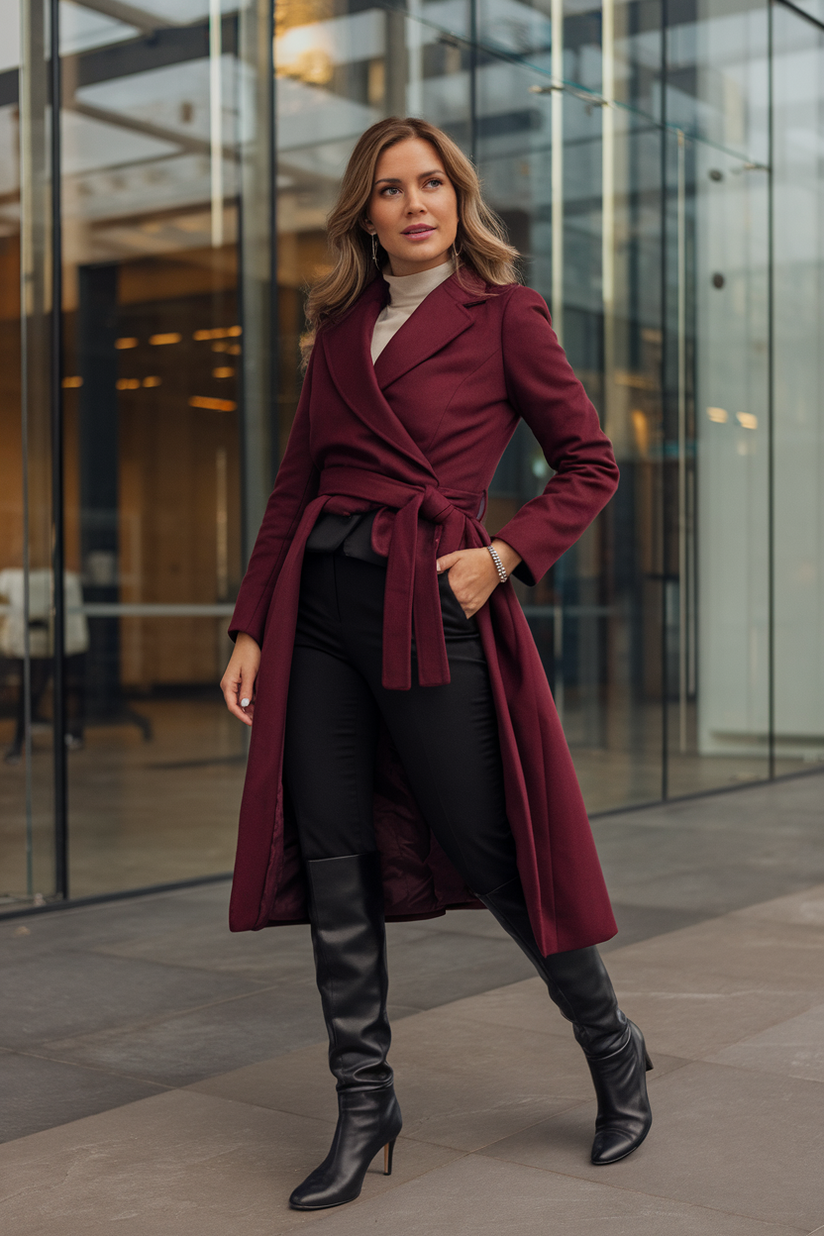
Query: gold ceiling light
point(299, 43)
point(218, 332)
point(212, 405)
point(171, 336)
point(128, 341)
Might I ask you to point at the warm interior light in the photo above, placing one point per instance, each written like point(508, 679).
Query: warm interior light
point(747, 420)
point(152, 380)
point(719, 415)
point(217, 332)
point(213, 405)
point(171, 336)
point(71, 383)
point(223, 371)
point(127, 384)
point(640, 426)
point(128, 341)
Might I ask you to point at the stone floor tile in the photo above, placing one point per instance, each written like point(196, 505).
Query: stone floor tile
point(269, 956)
point(461, 1102)
point(694, 1023)
point(473, 1197)
point(184, 1048)
point(38, 1094)
point(713, 887)
point(729, 1139)
point(115, 921)
point(746, 952)
point(459, 1083)
point(181, 1164)
point(804, 909)
point(457, 967)
point(688, 1023)
point(640, 922)
point(792, 1048)
point(86, 992)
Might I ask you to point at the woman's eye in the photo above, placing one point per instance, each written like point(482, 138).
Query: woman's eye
point(389, 189)
point(434, 181)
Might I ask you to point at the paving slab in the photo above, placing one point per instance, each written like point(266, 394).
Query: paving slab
point(88, 992)
point(180, 1164)
point(470, 1197)
point(791, 1048)
point(691, 1023)
point(729, 953)
point(187, 1046)
point(39, 1093)
point(735, 1140)
point(460, 1081)
point(804, 909)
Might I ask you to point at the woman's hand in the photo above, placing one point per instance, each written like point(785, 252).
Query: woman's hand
point(238, 683)
point(473, 576)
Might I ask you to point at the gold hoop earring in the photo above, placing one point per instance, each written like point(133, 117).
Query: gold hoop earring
point(375, 250)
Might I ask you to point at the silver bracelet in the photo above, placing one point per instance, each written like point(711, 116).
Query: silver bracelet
point(499, 566)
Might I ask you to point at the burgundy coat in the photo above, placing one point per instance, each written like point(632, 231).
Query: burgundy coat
point(419, 435)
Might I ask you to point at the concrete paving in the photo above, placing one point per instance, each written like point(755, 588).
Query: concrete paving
point(164, 1076)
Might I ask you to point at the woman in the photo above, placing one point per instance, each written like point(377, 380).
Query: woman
point(406, 756)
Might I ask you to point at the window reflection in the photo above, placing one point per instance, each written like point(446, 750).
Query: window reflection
point(629, 164)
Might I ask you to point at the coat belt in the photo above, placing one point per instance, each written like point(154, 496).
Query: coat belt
point(411, 578)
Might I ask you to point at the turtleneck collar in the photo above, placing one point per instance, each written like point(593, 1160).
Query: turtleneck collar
point(410, 290)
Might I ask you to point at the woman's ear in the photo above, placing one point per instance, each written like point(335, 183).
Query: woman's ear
point(368, 226)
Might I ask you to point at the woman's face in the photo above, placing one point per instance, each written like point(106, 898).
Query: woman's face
point(413, 207)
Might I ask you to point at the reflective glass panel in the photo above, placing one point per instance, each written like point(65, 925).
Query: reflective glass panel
point(27, 868)
point(798, 73)
point(153, 356)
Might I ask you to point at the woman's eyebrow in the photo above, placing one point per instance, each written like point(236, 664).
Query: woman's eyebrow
point(396, 180)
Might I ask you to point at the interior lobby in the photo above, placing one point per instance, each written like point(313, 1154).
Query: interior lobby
point(658, 168)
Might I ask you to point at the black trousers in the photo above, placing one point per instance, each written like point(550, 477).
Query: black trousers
point(446, 737)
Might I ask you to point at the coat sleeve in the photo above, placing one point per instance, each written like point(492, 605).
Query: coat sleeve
point(295, 487)
point(544, 390)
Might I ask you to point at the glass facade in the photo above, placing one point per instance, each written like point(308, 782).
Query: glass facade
point(661, 169)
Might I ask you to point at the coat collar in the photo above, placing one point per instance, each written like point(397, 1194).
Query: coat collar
point(439, 319)
point(347, 348)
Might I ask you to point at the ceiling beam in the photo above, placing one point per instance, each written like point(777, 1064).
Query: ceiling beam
point(129, 13)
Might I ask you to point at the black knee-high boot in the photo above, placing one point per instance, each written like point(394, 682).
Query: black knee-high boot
point(614, 1046)
point(346, 911)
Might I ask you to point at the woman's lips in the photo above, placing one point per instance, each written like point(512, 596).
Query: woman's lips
point(418, 233)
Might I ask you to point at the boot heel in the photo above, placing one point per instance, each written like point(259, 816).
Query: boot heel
point(647, 1060)
point(388, 1152)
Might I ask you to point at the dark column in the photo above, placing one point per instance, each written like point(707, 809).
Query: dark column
point(97, 362)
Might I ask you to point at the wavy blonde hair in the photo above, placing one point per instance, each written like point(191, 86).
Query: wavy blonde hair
point(481, 239)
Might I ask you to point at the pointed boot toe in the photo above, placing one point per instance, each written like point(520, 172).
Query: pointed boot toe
point(624, 1113)
point(366, 1124)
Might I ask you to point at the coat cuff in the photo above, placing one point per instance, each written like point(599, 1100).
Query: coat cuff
point(530, 569)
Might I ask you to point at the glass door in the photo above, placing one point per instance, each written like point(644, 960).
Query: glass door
point(153, 350)
point(798, 433)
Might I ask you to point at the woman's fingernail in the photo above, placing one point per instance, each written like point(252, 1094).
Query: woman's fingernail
point(244, 703)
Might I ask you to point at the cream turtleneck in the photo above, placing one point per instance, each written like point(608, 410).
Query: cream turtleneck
point(405, 294)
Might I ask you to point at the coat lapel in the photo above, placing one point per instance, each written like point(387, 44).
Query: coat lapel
point(439, 319)
point(346, 347)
